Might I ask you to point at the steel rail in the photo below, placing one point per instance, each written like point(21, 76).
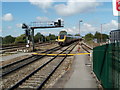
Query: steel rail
point(85, 49)
point(14, 47)
point(86, 46)
point(34, 59)
point(43, 83)
point(27, 77)
point(25, 58)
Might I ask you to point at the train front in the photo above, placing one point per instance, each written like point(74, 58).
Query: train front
point(62, 38)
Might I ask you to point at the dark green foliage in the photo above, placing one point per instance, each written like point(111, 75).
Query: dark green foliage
point(20, 39)
point(47, 38)
point(1, 39)
point(77, 34)
point(69, 34)
point(98, 37)
point(39, 38)
point(8, 39)
point(104, 37)
point(89, 37)
point(52, 37)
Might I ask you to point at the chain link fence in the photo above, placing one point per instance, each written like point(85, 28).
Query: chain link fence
point(106, 64)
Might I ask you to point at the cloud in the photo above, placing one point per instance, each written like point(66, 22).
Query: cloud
point(42, 18)
point(106, 27)
point(72, 31)
point(89, 28)
point(113, 25)
point(44, 4)
point(19, 25)
point(8, 17)
point(9, 27)
point(76, 6)
point(71, 7)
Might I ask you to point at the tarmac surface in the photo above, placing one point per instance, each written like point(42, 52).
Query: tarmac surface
point(81, 76)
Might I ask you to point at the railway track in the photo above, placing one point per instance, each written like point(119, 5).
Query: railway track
point(38, 78)
point(15, 48)
point(18, 46)
point(7, 69)
point(86, 47)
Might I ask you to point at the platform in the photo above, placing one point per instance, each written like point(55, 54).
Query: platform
point(79, 75)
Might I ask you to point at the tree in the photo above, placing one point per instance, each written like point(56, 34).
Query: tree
point(104, 37)
point(1, 39)
point(8, 39)
point(52, 37)
point(69, 34)
point(89, 37)
point(20, 39)
point(97, 36)
point(39, 37)
point(77, 34)
point(47, 38)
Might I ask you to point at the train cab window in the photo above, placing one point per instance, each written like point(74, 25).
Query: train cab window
point(61, 36)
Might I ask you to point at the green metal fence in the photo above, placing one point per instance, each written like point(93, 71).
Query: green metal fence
point(106, 64)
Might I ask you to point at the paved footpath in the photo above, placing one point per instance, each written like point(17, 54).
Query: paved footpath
point(81, 76)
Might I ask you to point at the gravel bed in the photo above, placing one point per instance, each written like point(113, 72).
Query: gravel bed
point(62, 70)
point(64, 67)
point(22, 49)
point(43, 48)
point(46, 47)
point(38, 78)
point(13, 78)
point(2, 63)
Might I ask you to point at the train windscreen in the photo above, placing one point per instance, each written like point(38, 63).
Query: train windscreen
point(61, 36)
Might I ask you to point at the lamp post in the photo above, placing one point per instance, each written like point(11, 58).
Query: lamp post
point(101, 32)
point(79, 25)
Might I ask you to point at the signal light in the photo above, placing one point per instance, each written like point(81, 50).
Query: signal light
point(58, 24)
point(24, 26)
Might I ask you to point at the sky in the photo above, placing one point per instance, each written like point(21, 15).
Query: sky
point(93, 14)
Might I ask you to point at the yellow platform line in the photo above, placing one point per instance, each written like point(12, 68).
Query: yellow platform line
point(59, 54)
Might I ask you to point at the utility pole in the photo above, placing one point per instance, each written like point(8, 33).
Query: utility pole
point(79, 25)
point(101, 33)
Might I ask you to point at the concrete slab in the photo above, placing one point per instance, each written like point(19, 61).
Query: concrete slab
point(81, 76)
